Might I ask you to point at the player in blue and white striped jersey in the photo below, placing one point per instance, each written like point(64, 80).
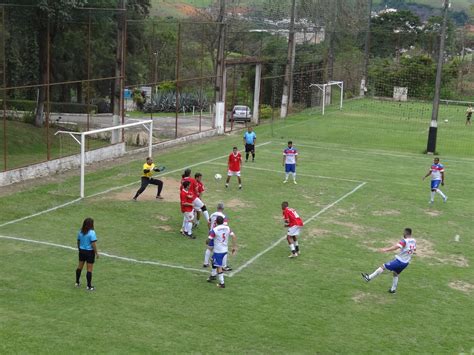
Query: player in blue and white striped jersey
point(437, 178)
point(220, 236)
point(407, 246)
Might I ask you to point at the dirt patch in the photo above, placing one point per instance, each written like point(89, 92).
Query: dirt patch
point(170, 192)
point(355, 228)
point(237, 203)
point(318, 232)
point(432, 213)
point(462, 286)
point(369, 298)
point(165, 228)
point(162, 218)
point(386, 213)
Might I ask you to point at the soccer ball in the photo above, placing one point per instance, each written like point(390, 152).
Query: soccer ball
point(446, 121)
point(218, 176)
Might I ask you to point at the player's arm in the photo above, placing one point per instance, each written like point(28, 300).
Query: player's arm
point(78, 244)
point(283, 162)
point(391, 248)
point(427, 174)
point(94, 246)
point(234, 243)
point(442, 178)
point(296, 159)
point(146, 171)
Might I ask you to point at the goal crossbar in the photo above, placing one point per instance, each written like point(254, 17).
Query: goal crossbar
point(82, 142)
point(323, 87)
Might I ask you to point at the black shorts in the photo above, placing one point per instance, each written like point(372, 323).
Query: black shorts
point(468, 117)
point(249, 148)
point(87, 256)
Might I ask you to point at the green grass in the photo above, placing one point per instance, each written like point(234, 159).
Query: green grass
point(316, 303)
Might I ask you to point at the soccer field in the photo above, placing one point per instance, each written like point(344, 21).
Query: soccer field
point(359, 185)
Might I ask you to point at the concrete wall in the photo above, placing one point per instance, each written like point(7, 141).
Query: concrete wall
point(57, 165)
point(73, 162)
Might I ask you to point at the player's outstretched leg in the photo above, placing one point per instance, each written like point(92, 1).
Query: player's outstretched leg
point(373, 275)
point(227, 181)
point(240, 182)
point(297, 247)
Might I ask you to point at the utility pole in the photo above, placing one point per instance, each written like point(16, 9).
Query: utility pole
point(365, 77)
point(119, 71)
point(433, 131)
point(288, 66)
point(220, 65)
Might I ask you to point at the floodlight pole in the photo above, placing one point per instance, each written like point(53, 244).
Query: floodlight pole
point(433, 131)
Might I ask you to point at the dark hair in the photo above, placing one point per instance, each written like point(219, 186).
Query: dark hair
point(290, 142)
point(197, 175)
point(284, 204)
point(87, 225)
point(187, 173)
point(219, 220)
point(186, 184)
point(408, 231)
point(234, 148)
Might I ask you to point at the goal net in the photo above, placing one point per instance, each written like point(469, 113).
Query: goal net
point(325, 95)
point(83, 148)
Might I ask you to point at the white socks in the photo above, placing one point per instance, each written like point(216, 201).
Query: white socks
point(375, 273)
point(441, 193)
point(394, 283)
point(207, 255)
point(221, 278)
point(206, 214)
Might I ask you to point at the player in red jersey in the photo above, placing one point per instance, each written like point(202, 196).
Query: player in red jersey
point(194, 189)
point(186, 198)
point(234, 163)
point(294, 224)
point(199, 191)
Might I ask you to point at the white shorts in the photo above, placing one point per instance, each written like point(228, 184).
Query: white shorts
point(197, 204)
point(294, 231)
point(188, 216)
point(233, 173)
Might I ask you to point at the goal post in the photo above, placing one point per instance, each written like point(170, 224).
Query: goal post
point(323, 89)
point(80, 138)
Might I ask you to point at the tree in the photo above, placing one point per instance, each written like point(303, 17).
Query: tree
point(394, 31)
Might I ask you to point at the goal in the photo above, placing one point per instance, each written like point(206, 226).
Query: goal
point(114, 150)
point(325, 89)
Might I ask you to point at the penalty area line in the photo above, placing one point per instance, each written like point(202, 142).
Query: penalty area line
point(298, 174)
point(250, 261)
point(122, 258)
point(113, 189)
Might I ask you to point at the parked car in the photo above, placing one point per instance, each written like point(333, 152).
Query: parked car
point(241, 113)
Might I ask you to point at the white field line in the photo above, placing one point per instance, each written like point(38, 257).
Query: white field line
point(298, 174)
point(388, 153)
point(40, 213)
point(113, 189)
point(136, 261)
point(250, 261)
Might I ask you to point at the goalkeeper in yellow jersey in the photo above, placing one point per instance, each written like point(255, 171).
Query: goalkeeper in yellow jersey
point(148, 169)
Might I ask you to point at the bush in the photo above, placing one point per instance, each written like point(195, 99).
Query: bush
point(265, 112)
point(165, 101)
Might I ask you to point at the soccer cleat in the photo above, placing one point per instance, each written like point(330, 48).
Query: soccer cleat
point(391, 291)
point(159, 197)
point(240, 187)
point(91, 288)
point(78, 284)
point(365, 276)
point(190, 236)
point(431, 202)
point(294, 182)
point(205, 265)
point(293, 255)
point(226, 268)
point(220, 285)
point(445, 199)
point(226, 186)
point(211, 278)
point(285, 181)
point(134, 199)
